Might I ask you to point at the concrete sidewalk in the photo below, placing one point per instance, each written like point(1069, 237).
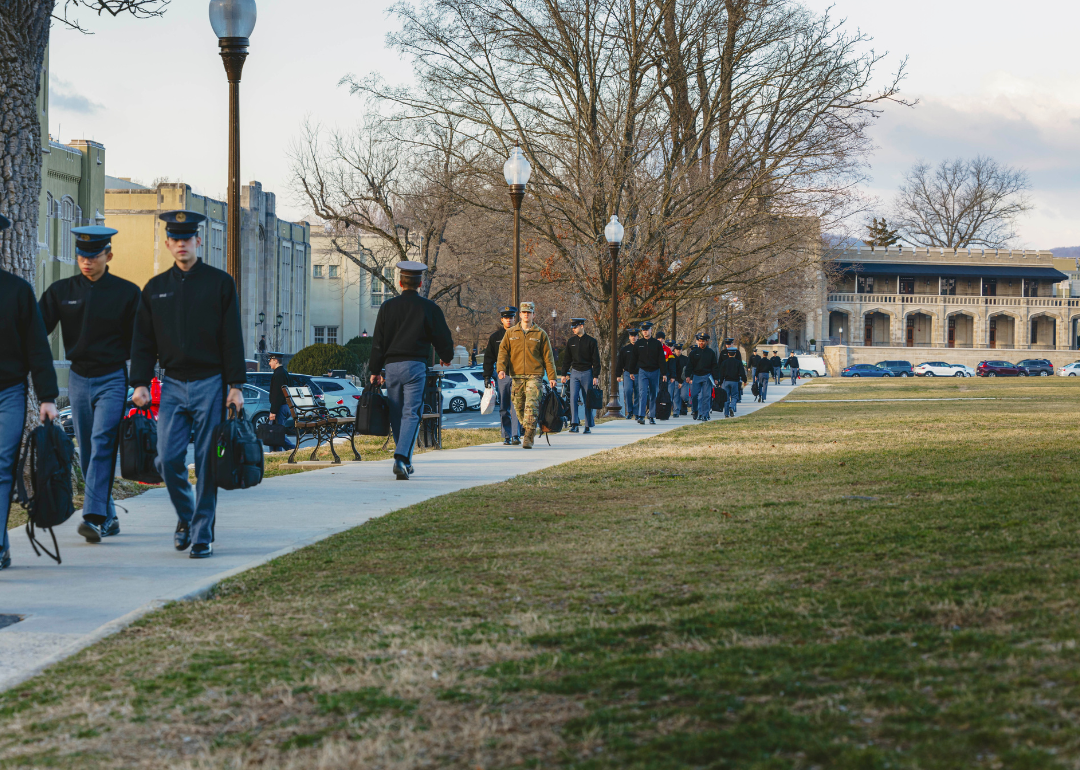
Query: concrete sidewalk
point(99, 589)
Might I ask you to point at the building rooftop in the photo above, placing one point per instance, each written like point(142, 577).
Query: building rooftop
point(122, 183)
point(924, 255)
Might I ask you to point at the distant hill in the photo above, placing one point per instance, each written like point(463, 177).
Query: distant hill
point(1066, 252)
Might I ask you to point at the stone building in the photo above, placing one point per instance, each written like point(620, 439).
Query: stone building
point(345, 299)
point(273, 252)
point(976, 303)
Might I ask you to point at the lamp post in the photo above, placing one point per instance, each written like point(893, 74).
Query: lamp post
point(516, 171)
point(280, 319)
point(260, 322)
point(233, 22)
point(614, 235)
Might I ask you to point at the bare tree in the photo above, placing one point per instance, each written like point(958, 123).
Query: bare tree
point(703, 125)
point(961, 203)
point(24, 34)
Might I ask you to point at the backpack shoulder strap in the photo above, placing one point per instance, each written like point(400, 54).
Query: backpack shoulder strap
point(20, 471)
point(36, 544)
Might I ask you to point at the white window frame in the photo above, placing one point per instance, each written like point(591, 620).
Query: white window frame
point(316, 271)
point(331, 335)
point(380, 292)
point(319, 335)
point(217, 244)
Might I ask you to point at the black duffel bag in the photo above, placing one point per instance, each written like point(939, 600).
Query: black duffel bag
point(596, 398)
point(719, 399)
point(50, 501)
point(663, 402)
point(272, 433)
point(238, 453)
point(372, 413)
point(138, 448)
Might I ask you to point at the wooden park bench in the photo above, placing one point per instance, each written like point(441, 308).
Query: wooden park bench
point(311, 419)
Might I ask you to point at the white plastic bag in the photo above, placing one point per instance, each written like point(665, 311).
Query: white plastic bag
point(487, 403)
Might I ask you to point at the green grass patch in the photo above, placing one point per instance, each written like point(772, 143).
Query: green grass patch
point(818, 585)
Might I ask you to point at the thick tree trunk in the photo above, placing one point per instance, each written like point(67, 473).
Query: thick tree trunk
point(24, 33)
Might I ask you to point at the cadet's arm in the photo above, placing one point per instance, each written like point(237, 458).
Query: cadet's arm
point(504, 356)
point(549, 361)
point(144, 352)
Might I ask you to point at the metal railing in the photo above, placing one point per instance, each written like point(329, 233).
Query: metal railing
point(936, 299)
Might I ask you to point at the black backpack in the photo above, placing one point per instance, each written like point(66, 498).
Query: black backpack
point(372, 413)
point(663, 403)
point(238, 453)
point(719, 399)
point(552, 413)
point(138, 448)
point(48, 453)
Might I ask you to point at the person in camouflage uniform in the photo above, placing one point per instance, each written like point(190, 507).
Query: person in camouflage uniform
point(525, 355)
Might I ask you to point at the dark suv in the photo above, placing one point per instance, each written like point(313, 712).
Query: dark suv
point(1037, 367)
point(999, 369)
point(898, 368)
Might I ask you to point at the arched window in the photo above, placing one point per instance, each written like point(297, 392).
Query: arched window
point(50, 204)
point(67, 219)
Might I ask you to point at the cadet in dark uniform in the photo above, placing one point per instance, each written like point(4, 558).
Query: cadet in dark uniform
point(730, 349)
point(189, 321)
point(511, 428)
point(699, 371)
point(625, 370)
point(651, 372)
point(580, 364)
point(676, 367)
point(405, 330)
point(24, 349)
point(731, 372)
point(777, 365)
point(793, 364)
point(279, 408)
point(754, 362)
point(761, 378)
point(96, 312)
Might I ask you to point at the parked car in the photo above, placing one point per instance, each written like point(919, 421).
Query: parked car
point(339, 392)
point(458, 397)
point(813, 364)
point(473, 376)
point(964, 371)
point(256, 404)
point(999, 369)
point(898, 368)
point(1070, 370)
point(937, 369)
point(1037, 367)
point(804, 373)
point(865, 370)
point(262, 380)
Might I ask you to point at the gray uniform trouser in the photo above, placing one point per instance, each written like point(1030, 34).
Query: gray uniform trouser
point(628, 391)
point(675, 388)
point(185, 406)
point(405, 382)
point(511, 428)
point(12, 419)
point(580, 382)
point(701, 391)
point(732, 389)
point(97, 406)
point(648, 385)
point(763, 384)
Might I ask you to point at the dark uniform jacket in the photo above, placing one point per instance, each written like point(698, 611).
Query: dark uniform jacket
point(405, 330)
point(491, 352)
point(625, 363)
point(24, 345)
point(649, 355)
point(676, 367)
point(731, 368)
point(96, 319)
point(700, 361)
point(776, 364)
point(190, 322)
point(581, 353)
point(755, 362)
point(278, 380)
point(764, 366)
point(793, 362)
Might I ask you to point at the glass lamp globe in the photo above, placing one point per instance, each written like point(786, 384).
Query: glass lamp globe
point(517, 170)
point(232, 18)
point(614, 230)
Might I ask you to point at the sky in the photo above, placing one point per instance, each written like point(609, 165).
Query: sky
point(991, 78)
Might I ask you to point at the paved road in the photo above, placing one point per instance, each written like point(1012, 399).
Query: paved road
point(102, 588)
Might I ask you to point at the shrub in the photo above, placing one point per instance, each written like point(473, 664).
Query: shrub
point(320, 359)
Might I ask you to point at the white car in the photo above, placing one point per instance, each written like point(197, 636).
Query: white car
point(472, 377)
point(1070, 370)
point(458, 397)
point(338, 392)
point(965, 371)
point(937, 369)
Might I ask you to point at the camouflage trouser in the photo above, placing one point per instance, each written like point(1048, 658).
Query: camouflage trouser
point(525, 395)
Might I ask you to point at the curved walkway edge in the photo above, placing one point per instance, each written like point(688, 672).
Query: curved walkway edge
point(101, 589)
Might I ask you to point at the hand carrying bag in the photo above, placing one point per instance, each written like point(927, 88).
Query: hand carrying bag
point(238, 453)
point(552, 418)
point(272, 433)
point(138, 448)
point(372, 413)
point(596, 398)
point(50, 502)
point(487, 403)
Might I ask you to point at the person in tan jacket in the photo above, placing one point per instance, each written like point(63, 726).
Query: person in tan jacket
point(525, 355)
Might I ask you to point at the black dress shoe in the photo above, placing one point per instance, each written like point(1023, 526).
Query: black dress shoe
point(111, 528)
point(409, 468)
point(506, 442)
point(91, 531)
point(201, 551)
point(573, 429)
point(182, 537)
point(587, 430)
point(516, 441)
point(640, 420)
point(401, 471)
point(652, 421)
point(5, 558)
